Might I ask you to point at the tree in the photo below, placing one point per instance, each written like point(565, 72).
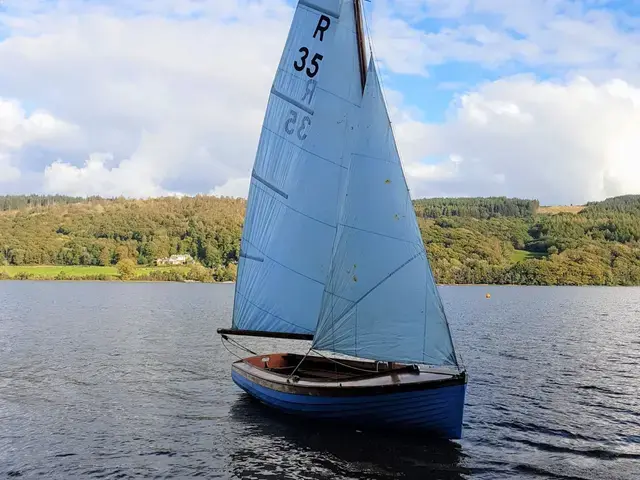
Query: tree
point(105, 256)
point(16, 256)
point(126, 268)
point(198, 273)
point(211, 255)
point(231, 273)
point(122, 253)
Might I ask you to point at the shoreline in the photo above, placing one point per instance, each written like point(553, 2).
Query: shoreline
point(109, 280)
point(179, 274)
point(111, 273)
point(214, 282)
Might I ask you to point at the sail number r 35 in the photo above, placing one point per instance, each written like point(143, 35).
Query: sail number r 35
point(323, 25)
point(292, 125)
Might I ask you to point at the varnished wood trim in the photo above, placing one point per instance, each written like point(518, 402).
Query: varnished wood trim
point(296, 389)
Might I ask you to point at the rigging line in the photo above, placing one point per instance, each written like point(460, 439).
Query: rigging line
point(227, 349)
point(382, 91)
point(224, 337)
point(464, 367)
point(373, 58)
point(298, 366)
point(239, 345)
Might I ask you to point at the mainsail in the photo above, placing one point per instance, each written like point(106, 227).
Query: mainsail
point(381, 301)
point(299, 172)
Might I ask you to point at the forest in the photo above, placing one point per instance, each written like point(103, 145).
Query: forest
point(494, 240)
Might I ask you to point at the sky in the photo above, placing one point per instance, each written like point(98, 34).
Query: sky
point(528, 98)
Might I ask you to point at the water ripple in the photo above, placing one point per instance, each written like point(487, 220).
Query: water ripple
point(108, 380)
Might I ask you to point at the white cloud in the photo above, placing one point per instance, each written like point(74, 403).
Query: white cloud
point(568, 142)
point(176, 103)
point(167, 96)
point(129, 178)
point(8, 172)
point(235, 187)
point(556, 36)
point(19, 130)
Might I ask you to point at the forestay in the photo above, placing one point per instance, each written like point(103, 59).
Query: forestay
point(381, 301)
point(299, 172)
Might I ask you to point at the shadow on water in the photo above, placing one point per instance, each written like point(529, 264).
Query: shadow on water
point(277, 444)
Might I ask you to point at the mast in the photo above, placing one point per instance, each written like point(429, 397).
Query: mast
point(362, 53)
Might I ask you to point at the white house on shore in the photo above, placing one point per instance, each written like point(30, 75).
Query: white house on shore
point(182, 259)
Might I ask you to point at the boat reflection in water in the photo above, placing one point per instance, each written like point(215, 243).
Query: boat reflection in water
point(276, 445)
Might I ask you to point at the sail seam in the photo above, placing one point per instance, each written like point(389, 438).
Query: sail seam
point(326, 11)
point(340, 297)
point(297, 211)
point(376, 233)
point(272, 314)
point(355, 304)
point(374, 158)
point(270, 185)
point(321, 89)
point(302, 148)
point(282, 264)
point(292, 101)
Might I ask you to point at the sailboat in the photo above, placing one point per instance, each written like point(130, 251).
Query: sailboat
point(331, 251)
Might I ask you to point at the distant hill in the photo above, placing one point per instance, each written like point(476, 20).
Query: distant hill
point(469, 240)
point(18, 202)
point(476, 207)
point(623, 204)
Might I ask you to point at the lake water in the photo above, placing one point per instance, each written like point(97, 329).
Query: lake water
point(122, 380)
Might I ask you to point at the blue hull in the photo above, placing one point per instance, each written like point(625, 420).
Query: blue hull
point(435, 411)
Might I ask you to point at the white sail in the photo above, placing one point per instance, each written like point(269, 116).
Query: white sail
point(299, 172)
point(381, 301)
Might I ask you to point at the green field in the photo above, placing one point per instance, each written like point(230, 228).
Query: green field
point(521, 255)
point(48, 272)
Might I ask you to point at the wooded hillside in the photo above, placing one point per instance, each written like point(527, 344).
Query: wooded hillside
point(477, 240)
